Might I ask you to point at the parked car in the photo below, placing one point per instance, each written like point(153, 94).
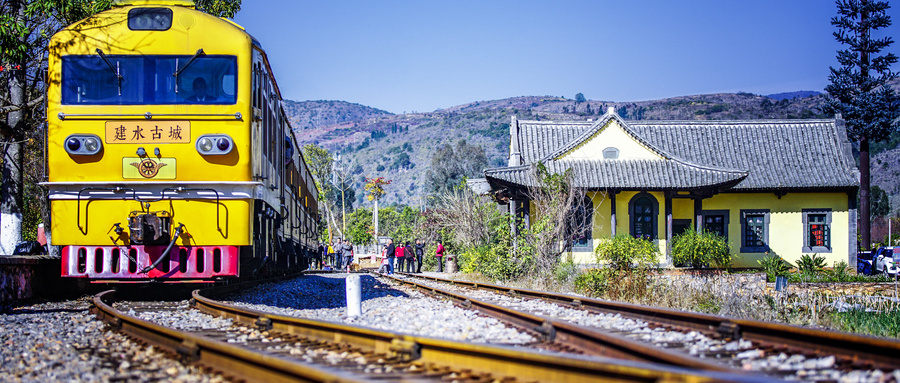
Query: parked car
point(864, 264)
point(886, 258)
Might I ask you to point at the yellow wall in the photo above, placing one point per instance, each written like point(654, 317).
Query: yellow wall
point(785, 223)
point(612, 135)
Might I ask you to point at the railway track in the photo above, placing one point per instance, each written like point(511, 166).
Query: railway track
point(838, 351)
point(264, 347)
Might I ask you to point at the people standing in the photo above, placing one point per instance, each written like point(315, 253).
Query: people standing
point(330, 257)
point(348, 254)
point(410, 258)
point(401, 256)
point(440, 256)
point(420, 251)
point(338, 254)
point(391, 255)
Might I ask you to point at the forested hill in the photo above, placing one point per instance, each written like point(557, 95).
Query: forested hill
point(400, 147)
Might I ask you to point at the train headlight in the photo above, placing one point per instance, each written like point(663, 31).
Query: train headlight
point(214, 144)
point(83, 144)
point(91, 144)
point(204, 145)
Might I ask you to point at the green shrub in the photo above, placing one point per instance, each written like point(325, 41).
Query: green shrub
point(840, 272)
point(811, 264)
point(494, 261)
point(565, 272)
point(774, 266)
point(624, 252)
point(700, 249)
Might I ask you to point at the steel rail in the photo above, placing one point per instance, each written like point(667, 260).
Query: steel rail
point(233, 360)
point(583, 338)
point(859, 350)
point(500, 361)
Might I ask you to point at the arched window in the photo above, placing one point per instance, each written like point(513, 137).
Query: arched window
point(643, 210)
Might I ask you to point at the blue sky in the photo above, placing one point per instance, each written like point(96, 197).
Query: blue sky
point(404, 56)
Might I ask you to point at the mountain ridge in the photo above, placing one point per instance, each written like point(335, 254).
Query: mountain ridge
point(399, 147)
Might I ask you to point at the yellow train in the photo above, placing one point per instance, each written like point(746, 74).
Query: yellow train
point(169, 155)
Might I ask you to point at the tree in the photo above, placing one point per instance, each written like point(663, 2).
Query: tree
point(881, 205)
point(859, 89)
point(375, 189)
point(451, 165)
point(579, 98)
point(25, 28)
point(219, 8)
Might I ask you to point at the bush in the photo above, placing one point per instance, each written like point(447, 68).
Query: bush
point(775, 266)
point(811, 264)
point(494, 261)
point(700, 249)
point(624, 252)
point(840, 272)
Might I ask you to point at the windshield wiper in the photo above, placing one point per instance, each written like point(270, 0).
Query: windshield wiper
point(115, 70)
point(182, 69)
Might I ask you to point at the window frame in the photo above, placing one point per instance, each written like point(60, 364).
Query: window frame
point(816, 249)
point(587, 204)
point(766, 213)
point(727, 221)
point(141, 83)
point(654, 221)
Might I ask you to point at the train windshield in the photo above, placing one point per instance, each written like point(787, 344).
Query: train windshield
point(140, 80)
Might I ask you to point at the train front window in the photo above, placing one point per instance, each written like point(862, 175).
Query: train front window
point(89, 80)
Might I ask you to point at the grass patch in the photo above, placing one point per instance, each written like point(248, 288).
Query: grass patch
point(886, 324)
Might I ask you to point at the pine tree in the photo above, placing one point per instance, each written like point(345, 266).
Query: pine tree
point(859, 90)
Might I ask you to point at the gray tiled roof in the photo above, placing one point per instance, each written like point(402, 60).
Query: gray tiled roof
point(625, 174)
point(537, 139)
point(775, 154)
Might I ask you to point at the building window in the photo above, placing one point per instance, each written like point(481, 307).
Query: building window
point(643, 210)
point(581, 224)
point(716, 221)
point(816, 230)
point(610, 153)
point(754, 231)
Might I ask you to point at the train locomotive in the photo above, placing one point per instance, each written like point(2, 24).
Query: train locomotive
point(169, 156)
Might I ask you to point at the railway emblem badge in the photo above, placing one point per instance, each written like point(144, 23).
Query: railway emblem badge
point(148, 168)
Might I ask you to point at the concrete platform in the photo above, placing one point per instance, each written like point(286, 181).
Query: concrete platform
point(26, 277)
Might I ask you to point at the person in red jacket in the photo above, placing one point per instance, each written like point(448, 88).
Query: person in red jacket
point(440, 256)
point(400, 257)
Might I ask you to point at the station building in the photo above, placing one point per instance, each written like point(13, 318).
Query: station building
point(782, 186)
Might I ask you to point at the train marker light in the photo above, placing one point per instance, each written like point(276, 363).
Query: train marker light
point(214, 144)
point(83, 144)
point(149, 19)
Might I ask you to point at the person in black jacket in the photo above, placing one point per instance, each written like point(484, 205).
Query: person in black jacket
point(410, 258)
point(390, 255)
point(420, 251)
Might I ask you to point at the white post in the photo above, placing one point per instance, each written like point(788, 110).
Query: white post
point(375, 218)
point(354, 296)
